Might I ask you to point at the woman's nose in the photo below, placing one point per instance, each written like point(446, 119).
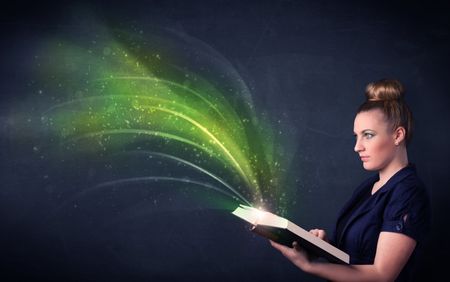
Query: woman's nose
point(358, 146)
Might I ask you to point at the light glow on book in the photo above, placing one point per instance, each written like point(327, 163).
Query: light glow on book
point(259, 214)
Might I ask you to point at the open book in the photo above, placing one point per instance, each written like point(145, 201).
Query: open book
point(283, 231)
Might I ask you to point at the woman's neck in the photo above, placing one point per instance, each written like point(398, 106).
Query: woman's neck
point(399, 162)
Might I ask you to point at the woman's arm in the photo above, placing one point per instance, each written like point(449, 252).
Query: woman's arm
point(393, 251)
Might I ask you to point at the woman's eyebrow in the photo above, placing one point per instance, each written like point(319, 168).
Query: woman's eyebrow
point(364, 130)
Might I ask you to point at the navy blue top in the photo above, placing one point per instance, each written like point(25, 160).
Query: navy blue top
point(401, 205)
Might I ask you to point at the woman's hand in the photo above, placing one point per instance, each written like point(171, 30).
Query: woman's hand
point(319, 233)
point(296, 255)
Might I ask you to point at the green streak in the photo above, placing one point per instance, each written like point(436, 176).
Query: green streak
point(143, 132)
point(159, 178)
point(202, 170)
point(135, 180)
point(174, 84)
point(216, 141)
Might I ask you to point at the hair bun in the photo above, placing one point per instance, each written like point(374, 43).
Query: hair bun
point(385, 89)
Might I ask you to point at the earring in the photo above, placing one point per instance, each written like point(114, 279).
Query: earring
point(396, 143)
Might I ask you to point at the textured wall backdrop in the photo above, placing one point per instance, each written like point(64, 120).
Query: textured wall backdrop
point(305, 64)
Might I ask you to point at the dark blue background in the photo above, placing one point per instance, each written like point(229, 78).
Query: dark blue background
point(308, 59)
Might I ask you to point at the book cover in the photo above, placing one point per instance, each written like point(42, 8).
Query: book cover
point(285, 232)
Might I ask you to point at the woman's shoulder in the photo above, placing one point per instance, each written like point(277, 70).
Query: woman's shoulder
point(407, 207)
point(410, 184)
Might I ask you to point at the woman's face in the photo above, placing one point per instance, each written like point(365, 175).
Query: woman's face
point(375, 142)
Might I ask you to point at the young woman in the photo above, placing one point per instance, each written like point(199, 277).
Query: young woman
point(388, 215)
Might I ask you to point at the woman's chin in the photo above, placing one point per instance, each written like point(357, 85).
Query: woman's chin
point(368, 166)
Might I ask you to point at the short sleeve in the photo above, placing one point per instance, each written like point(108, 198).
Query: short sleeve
point(408, 212)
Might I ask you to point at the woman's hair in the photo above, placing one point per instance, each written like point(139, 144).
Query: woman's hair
point(387, 95)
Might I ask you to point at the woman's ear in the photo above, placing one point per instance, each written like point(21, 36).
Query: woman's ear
point(399, 135)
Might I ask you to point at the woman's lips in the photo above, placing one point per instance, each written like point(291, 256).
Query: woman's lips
point(364, 158)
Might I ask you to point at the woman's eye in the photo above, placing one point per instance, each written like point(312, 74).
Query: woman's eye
point(368, 135)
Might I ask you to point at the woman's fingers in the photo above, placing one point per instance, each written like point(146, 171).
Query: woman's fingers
point(277, 246)
point(319, 233)
point(296, 254)
point(286, 251)
point(315, 232)
point(296, 246)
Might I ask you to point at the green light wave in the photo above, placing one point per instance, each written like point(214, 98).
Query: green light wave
point(126, 85)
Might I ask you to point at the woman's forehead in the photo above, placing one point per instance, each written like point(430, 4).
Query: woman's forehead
point(373, 119)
